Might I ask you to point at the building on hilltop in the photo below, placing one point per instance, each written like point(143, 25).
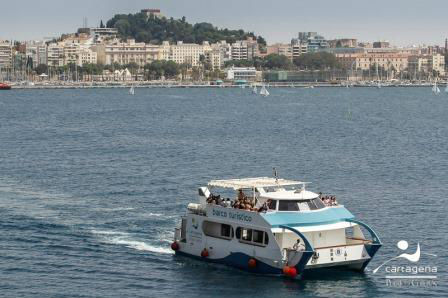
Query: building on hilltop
point(152, 11)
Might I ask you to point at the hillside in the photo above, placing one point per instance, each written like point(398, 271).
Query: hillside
point(155, 30)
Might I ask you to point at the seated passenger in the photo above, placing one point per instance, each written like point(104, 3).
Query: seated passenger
point(298, 246)
point(263, 208)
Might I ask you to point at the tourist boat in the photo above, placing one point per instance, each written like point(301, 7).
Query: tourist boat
point(4, 86)
point(273, 226)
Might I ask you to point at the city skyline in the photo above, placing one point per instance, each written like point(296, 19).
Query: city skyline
point(402, 23)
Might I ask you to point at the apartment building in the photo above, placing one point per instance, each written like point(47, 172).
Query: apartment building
point(244, 49)
point(280, 49)
point(5, 54)
point(55, 55)
point(126, 52)
point(427, 64)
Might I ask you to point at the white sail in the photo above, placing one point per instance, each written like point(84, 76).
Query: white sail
point(264, 91)
point(255, 90)
point(446, 89)
point(132, 91)
point(435, 89)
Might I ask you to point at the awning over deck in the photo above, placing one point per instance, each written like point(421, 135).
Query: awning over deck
point(253, 183)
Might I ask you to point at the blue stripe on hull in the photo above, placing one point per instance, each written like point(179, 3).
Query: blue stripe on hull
point(240, 261)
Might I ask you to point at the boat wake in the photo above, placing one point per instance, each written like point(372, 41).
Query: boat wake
point(125, 239)
point(142, 246)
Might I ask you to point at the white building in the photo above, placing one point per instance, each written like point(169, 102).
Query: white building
point(126, 52)
point(244, 50)
point(241, 73)
point(55, 55)
point(5, 54)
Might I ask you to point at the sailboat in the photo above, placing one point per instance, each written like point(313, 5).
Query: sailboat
point(435, 89)
point(446, 88)
point(378, 85)
point(264, 92)
point(132, 90)
point(255, 90)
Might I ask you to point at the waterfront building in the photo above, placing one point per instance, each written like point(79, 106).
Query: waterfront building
point(248, 74)
point(5, 54)
point(185, 53)
point(126, 52)
point(427, 64)
point(368, 61)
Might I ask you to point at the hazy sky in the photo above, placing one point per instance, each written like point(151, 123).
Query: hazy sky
point(402, 22)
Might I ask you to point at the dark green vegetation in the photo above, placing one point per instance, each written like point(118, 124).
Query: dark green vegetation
point(310, 61)
point(319, 60)
point(156, 30)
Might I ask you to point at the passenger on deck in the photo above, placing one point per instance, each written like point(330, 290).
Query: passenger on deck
point(265, 206)
point(241, 195)
point(298, 246)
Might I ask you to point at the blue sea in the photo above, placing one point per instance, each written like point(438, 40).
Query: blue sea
point(92, 184)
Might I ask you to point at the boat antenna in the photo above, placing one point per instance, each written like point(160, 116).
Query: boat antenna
point(275, 175)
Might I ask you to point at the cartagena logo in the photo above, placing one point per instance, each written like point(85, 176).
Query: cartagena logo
point(412, 274)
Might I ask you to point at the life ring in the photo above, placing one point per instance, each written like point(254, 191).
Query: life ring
point(175, 246)
point(252, 263)
point(204, 253)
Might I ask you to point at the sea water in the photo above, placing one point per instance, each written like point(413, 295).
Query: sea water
point(92, 184)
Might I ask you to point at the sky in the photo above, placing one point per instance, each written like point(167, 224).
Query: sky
point(401, 22)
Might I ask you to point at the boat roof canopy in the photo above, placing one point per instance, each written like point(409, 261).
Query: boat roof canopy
point(253, 183)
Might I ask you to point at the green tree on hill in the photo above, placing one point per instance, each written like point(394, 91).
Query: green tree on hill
point(158, 29)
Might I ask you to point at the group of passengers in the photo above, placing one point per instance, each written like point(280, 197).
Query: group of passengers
point(217, 200)
point(328, 200)
point(243, 202)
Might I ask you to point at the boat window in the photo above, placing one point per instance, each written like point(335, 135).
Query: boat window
point(258, 236)
point(300, 205)
point(250, 236)
point(303, 206)
point(246, 235)
point(319, 204)
point(217, 230)
point(272, 205)
point(288, 205)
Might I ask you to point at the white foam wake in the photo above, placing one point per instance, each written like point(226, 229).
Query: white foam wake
point(97, 232)
point(139, 245)
point(122, 238)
